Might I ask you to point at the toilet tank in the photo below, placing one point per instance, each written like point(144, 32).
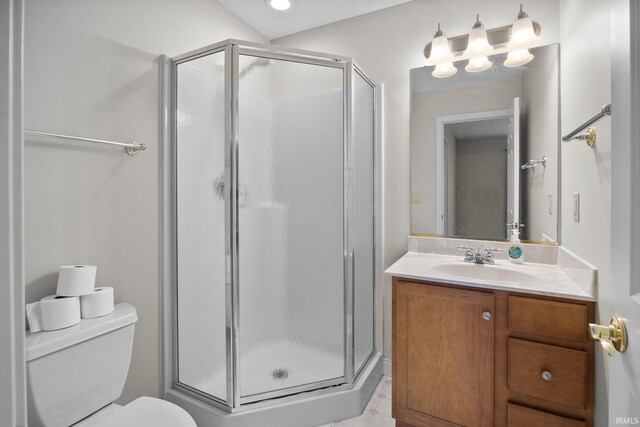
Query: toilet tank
point(74, 372)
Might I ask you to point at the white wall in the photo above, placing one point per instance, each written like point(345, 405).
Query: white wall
point(91, 69)
point(585, 87)
point(387, 44)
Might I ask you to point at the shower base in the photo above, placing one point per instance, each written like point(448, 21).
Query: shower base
point(277, 366)
point(307, 409)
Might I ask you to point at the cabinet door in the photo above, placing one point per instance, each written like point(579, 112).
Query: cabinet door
point(442, 355)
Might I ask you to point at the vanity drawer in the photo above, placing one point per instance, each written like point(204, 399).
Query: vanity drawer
point(520, 416)
point(529, 363)
point(551, 319)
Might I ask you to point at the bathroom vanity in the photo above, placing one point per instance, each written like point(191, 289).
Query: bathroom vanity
point(491, 345)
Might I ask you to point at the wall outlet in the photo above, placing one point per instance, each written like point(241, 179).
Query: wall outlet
point(576, 207)
point(416, 199)
point(550, 203)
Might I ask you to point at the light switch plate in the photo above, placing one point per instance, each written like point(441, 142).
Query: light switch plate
point(576, 207)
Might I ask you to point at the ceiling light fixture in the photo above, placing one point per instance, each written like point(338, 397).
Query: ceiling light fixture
point(280, 5)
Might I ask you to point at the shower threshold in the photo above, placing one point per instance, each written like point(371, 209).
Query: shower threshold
point(306, 409)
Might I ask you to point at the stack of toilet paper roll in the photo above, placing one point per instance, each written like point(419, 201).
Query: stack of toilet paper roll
point(76, 297)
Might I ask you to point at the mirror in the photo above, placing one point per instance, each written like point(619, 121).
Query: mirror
point(485, 150)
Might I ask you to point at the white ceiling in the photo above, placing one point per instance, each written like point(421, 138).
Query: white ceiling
point(304, 14)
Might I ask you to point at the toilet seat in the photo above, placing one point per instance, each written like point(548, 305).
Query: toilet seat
point(148, 412)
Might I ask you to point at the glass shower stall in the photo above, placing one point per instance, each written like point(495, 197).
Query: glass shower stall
point(272, 223)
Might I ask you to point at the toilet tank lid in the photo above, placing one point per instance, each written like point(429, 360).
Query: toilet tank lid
point(43, 343)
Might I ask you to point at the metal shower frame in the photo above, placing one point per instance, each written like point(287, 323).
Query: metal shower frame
point(233, 49)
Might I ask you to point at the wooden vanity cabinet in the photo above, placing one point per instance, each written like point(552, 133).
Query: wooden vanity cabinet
point(465, 356)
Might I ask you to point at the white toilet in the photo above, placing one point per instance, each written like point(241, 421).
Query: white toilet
point(75, 374)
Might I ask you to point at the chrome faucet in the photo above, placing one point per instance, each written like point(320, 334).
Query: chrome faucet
point(468, 255)
point(477, 257)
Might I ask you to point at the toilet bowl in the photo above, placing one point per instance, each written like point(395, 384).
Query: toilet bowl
point(75, 374)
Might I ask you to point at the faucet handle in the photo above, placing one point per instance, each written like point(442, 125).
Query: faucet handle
point(488, 256)
point(468, 255)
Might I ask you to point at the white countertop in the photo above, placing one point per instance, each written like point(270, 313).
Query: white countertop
point(531, 278)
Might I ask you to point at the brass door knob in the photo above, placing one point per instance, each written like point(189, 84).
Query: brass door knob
point(613, 337)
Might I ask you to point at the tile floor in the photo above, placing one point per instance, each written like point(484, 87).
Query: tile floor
point(378, 410)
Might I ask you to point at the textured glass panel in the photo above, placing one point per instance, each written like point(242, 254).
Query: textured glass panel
point(364, 227)
point(290, 224)
point(201, 225)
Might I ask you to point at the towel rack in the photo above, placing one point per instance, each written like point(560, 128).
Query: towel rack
point(590, 136)
point(131, 147)
point(531, 164)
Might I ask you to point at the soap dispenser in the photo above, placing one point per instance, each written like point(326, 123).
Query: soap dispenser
point(516, 250)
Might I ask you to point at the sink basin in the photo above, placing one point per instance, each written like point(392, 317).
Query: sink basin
point(494, 273)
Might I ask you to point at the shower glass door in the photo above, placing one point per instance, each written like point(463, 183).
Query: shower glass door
point(200, 224)
point(291, 224)
point(363, 225)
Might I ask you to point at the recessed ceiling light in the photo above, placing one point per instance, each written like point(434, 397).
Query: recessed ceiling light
point(279, 4)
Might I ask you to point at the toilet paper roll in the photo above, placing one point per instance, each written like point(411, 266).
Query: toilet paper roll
point(33, 317)
point(76, 280)
point(58, 312)
point(98, 303)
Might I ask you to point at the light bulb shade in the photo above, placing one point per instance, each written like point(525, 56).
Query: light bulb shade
point(518, 58)
point(478, 44)
point(440, 52)
point(478, 64)
point(523, 35)
point(444, 70)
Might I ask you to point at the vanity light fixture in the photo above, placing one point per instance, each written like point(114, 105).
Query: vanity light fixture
point(444, 70)
point(477, 44)
point(441, 56)
point(476, 65)
point(523, 35)
point(279, 5)
point(514, 40)
point(478, 48)
point(522, 38)
point(517, 58)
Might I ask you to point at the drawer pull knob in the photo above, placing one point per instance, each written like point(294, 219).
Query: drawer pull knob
point(486, 315)
point(546, 375)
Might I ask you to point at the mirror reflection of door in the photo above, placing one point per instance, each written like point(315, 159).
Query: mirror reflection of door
point(513, 169)
point(479, 188)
